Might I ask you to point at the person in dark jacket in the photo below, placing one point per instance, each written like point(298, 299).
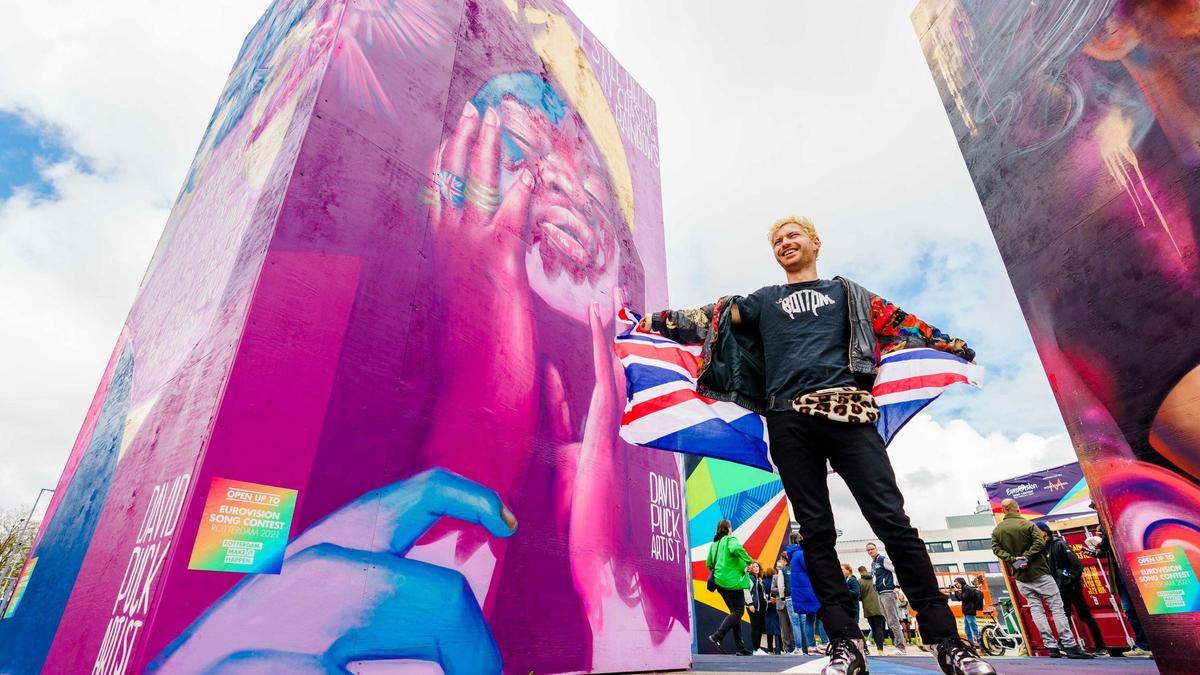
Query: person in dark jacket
point(756, 605)
point(727, 564)
point(771, 616)
point(1067, 570)
point(781, 587)
point(854, 589)
point(972, 603)
point(872, 609)
point(804, 600)
point(806, 353)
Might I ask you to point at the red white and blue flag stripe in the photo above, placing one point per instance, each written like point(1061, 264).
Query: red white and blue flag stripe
point(664, 411)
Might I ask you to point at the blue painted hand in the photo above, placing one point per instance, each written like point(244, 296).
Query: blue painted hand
point(347, 594)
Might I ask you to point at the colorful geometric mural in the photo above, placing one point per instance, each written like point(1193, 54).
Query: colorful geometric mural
point(1079, 122)
point(385, 291)
point(753, 501)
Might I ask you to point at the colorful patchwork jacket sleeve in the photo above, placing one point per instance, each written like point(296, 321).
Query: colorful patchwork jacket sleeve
point(898, 329)
point(685, 326)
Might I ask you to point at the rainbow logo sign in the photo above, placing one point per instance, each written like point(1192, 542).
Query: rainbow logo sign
point(22, 584)
point(1167, 579)
point(244, 528)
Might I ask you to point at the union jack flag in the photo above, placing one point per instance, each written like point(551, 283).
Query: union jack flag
point(664, 411)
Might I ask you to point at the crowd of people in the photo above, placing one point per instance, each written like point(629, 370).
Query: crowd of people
point(783, 609)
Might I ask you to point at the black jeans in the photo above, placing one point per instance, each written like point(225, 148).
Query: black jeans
point(1072, 595)
point(878, 631)
point(735, 600)
point(800, 445)
point(757, 628)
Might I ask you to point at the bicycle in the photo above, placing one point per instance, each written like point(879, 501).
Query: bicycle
point(1001, 635)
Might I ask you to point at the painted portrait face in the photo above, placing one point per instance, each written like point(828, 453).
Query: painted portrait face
point(574, 221)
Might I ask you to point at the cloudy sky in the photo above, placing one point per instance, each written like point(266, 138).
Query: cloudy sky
point(764, 109)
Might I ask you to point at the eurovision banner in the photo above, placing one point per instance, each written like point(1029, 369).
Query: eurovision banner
point(244, 528)
point(1052, 494)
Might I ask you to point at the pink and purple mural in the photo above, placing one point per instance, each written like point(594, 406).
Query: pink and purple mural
point(1080, 124)
point(380, 321)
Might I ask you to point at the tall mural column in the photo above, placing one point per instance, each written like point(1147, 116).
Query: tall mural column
point(364, 407)
point(1080, 125)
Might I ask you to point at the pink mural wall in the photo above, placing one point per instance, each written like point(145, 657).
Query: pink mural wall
point(1079, 121)
point(387, 285)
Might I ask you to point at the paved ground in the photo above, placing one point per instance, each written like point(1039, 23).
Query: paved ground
point(918, 665)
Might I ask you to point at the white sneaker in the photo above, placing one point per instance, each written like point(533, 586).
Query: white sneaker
point(760, 652)
point(895, 651)
point(1138, 653)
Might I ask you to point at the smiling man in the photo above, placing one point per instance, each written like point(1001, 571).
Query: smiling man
point(805, 354)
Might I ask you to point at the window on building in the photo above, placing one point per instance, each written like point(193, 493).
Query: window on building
point(974, 544)
point(939, 547)
point(948, 567)
point(982, 567)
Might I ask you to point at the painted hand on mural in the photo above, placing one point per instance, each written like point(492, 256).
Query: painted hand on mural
point(594, 490)
point(348, 594)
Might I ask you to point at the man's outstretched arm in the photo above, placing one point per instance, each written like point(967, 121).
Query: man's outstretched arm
point(685, 326)
point(890, 321)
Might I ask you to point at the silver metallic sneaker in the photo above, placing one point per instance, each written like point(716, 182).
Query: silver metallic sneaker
point(845, 658)
point(957, 658)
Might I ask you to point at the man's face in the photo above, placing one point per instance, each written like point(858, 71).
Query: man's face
point(793, 248)
point(871, 551)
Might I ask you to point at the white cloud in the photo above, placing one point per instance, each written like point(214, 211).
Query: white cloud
point(941, 469)
point(129, 88)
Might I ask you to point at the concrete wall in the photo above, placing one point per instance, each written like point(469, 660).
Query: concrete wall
point(388, 287)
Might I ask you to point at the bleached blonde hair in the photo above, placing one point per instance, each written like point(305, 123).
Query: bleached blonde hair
point(804, 223)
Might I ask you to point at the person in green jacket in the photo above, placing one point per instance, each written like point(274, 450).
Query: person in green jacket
point(727, 563)
point(872, 608)
point(1021, 545)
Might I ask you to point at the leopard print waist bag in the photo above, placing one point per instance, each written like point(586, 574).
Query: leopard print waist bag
point(840, 404)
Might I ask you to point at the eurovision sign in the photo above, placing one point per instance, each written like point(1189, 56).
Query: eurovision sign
point(1055, 493)
point(1166, 578)
point(244, 528)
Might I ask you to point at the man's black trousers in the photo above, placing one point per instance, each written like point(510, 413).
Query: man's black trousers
point(800, 446)
point(1072, 595)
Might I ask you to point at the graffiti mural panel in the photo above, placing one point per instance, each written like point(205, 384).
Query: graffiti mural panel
point(753, 502)
point(1080, 122)
point(386, 291)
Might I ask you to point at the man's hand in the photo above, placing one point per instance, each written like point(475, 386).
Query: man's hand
point(645, 323)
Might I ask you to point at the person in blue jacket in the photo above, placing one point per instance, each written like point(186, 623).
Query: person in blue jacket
point(804, 600)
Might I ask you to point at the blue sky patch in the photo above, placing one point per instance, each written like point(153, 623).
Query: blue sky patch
point(23, 149)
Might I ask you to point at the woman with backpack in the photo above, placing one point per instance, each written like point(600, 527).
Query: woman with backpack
point(727, 564)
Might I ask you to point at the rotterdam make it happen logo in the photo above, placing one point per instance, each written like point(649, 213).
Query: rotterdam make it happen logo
point(803, 301)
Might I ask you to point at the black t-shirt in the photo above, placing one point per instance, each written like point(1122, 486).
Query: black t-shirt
point(805, 331)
